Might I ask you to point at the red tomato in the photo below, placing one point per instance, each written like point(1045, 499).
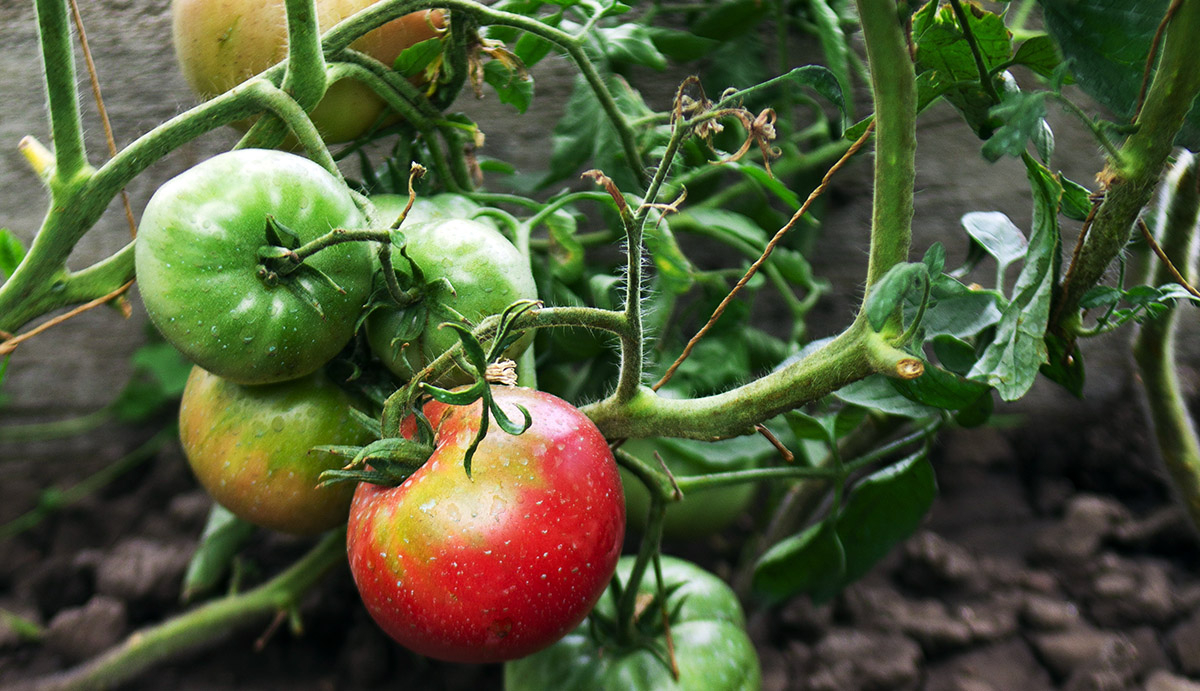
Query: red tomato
point(501, 564)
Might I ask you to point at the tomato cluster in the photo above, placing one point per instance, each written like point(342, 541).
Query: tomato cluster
point(261, 267)
point(482, 567)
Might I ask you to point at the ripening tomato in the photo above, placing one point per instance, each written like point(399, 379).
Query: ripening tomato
point(222, 43)
point(198, 267)
point(502, 563)
point(251, 448)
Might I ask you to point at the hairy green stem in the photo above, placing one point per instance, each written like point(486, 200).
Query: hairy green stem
point(1134, 174)
point(202, 626)
point(854, 354)
point(41, 283)
point(651, 541)
point(304, 77)
point(58, 60)
point(893, 83)
point(1154, 346)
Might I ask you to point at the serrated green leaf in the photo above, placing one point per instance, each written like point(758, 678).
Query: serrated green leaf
point(821, 80)
point(1021, 118)
point(511, 87)
point(954, 354)
point(729, 19)
point(760, 176)
point(1100, 296)
point(1106, 42)
point(674, 268)
point(1011, 362)
point(935, 258)
point(960, 311)
point(1063, 368)
point(806, 426)
point(1076, 200)
point(834, 44)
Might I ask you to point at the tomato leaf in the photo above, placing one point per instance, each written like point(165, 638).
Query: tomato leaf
point(11, 253)
point(413, 60)
point(814, 562)
point(1011, 361)
point(876, 392)
point(997, 235)
point(512, 87)
point(883, 510)
point(1076, 200)
point(896, 285)
point(939, 388)
point(1106, 42)
point(630, 44)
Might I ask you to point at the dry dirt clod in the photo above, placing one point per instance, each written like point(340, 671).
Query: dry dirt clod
point(83, 632)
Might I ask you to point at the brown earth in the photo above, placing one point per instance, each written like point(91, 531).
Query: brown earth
point(1053, 559)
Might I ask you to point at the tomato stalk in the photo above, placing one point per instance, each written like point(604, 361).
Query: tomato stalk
point(1133, 175)
point(71, 167)
point(1154, 346)
point(648, 550)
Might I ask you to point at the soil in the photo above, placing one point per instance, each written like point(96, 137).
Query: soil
point(1054, 558)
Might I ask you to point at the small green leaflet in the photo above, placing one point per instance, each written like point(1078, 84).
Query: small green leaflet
point(11, 253)
point(413, 60)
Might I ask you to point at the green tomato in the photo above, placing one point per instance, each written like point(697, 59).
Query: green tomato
point(198, 267)
point(708, 629)
point(701, 512)
point(251, 448)
point(469, 271)
point(438, 207)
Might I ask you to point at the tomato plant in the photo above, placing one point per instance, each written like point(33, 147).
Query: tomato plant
point(672, 271)
point(252, 448)
point(221, 43)
point(501, 563)
point(463, 271)
point(204, 283)
point(701, 512)
point(708, 634)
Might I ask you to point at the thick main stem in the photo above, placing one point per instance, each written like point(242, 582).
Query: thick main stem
point(893, 81)
point(1132, 177)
